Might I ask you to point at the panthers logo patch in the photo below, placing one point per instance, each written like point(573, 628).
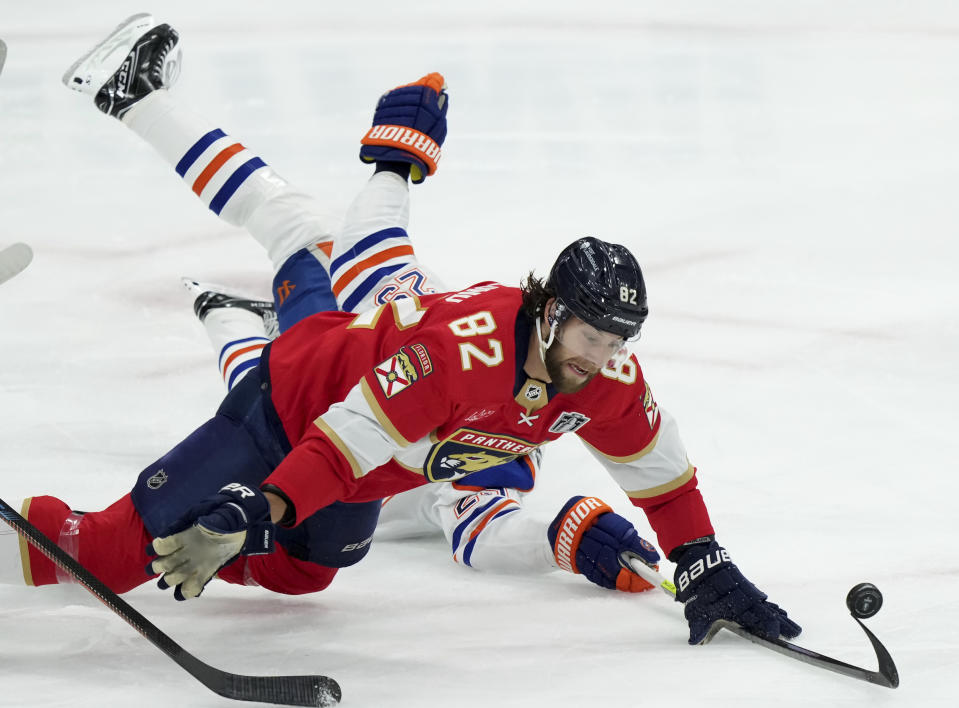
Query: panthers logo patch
point(467, 451)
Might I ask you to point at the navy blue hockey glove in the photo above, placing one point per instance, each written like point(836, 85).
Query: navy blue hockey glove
point(233, 522)
point(409, 125)
point(589, 538)
point(711, 587)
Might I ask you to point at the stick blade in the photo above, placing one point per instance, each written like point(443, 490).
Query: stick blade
point(3, 53)
point(320, 691)
point(887, 675)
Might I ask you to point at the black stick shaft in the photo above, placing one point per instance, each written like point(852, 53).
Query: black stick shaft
point(284, 690)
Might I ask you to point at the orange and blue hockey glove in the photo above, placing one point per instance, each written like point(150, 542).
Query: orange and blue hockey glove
point(409, 125)
point(587, 537)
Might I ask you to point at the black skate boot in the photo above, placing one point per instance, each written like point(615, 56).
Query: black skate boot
point(135, 59)
point(212, 297)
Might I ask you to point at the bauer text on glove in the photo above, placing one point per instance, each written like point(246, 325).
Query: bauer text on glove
point(712, 588)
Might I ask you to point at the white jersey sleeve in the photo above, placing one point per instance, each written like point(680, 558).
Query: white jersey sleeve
point(373, 261)
point(488, 530)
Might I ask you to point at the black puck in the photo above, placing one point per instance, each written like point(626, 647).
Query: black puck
point(864, 600)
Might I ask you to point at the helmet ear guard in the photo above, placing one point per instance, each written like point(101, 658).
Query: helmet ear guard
point(556, 313)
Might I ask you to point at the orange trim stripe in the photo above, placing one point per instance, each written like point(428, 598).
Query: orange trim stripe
point(238, 352)
point(215, 164)
point(489, 517)
point(349, 276)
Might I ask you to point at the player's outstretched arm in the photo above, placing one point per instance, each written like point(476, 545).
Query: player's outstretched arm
point(589, 538)
point(712, 588)
point(372, 259)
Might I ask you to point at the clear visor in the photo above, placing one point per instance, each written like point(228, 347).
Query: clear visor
point(602, 349)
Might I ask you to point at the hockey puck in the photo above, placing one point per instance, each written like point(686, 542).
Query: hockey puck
point(864, 600)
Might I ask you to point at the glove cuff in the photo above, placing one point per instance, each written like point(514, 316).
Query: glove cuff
point(259, 539)
point(567, 529)
point(409, 140)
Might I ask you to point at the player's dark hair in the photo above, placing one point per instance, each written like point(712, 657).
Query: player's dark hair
point(536, 293)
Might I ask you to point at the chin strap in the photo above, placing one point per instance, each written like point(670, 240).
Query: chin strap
point(543, 346)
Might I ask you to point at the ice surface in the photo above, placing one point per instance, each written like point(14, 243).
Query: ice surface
point(786, 173)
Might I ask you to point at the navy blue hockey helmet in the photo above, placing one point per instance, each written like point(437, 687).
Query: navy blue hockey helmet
point(602, 284)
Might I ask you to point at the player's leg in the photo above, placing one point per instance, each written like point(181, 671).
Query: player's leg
point(279, 571)
point(309, 555)
point(128, 75)
point(238, 327)
point(110, 543)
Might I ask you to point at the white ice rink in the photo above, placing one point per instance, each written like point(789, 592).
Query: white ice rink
point(786, 173)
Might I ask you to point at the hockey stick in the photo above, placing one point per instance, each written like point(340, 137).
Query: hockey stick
point(3, 53)
point(887, 675)
point(284, 690)
point(13, 259)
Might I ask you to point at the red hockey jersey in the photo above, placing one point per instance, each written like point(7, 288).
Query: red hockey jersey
point(433, 390)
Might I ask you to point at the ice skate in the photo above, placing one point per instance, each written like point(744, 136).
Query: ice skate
point(211, 297)
point(135, 59)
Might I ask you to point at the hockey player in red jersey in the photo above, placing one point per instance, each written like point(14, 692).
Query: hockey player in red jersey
point(416, 390)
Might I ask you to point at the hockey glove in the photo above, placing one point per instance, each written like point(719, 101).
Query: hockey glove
point(409, 125)
point(234, 522)
point(711, 587)
point(588, 538)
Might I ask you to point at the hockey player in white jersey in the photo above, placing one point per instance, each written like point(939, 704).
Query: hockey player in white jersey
point(323, 262)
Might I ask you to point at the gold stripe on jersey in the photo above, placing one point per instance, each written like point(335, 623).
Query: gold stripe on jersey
point(532, 395)
point(628, 458)
point(414, 470)
point(663, 488)
point(407, 313)
point(341, 446)
point(24, 546)
point(381, 417)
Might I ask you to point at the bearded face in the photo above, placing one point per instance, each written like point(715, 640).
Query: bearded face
point(568, 372)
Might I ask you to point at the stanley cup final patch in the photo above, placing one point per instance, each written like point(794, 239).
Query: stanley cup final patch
point(569, 422)
point(396, 374)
